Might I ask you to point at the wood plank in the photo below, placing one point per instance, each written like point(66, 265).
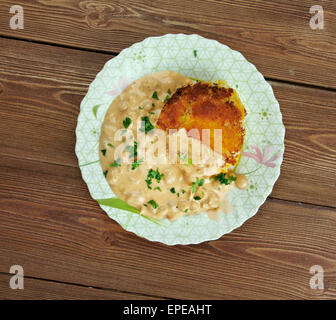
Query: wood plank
point(308, 172)
point(42, 87)
point(37, 289)
point(276, 37)
point(51, 227)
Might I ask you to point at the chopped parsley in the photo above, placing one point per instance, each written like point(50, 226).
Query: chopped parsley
point(156, 174)
point(136, 164)
point(167, 96)
point(223, 180)
point(195, 53)
point(158, 188)
point(153, 105)
point(126, 122)
point(153, 174)
point(198, 182)
point(172, 190)
point(178, 194)
point(155, 95)
point(153, 203)
point(186, 210)
point(146, 125)
point(189, 162)
point(140, 108)
point(115, 163)
point(105, 173)
point(151, 112)
point(103, 151)
point(110, 145)
point(133, 150)
point(197, 198)
point(186, 161)
point(183, 191)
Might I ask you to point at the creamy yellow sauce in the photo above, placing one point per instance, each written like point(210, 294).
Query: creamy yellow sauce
point(178, 191)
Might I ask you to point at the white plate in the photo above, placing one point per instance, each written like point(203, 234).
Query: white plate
point(209, 60)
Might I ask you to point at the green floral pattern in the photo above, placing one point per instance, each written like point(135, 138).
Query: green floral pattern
point(200, 58)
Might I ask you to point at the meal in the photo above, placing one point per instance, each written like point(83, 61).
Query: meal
point(169, 145)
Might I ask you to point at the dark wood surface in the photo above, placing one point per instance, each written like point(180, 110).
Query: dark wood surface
point(67, 245)
point(275, 36)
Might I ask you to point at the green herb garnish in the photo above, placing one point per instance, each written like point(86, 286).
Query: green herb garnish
point(103, 151)
point(198, 182)
point(155, 95)
point(95, 109)
point(116, 163)
point(133, 150)
point(126, 122)
point(197, 198)
point(110, 145)
point(153, 174)
point(146, 125)
point(136, 164)
point(105, 173)
point(172, 190)
point(158, 188)
point(223, 180)
point(167, 96)
point(189, 162)
point(186, 161)
point(153, 203)
point(195, 53)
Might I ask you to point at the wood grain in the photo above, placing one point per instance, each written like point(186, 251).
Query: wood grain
point(51, 227)
point(42, 87)
point(273, 35)
point(37, 289)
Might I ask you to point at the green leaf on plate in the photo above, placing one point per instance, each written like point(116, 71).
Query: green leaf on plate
point(95, 109)
point(117, 203)
point(123, 205)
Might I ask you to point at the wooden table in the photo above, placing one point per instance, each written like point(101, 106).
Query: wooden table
point(67, 245)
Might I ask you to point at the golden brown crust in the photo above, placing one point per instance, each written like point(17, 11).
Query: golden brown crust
point(207, 106)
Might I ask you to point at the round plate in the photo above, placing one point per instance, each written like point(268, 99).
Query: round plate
point(200, 58)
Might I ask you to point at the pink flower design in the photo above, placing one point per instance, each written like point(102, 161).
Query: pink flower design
point(263, 157)
point(119, 86)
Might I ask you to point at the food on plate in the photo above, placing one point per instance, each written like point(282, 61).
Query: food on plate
point(168, 145)
point(205, 105)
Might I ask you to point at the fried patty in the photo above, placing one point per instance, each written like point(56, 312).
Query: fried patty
point(206, 105)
